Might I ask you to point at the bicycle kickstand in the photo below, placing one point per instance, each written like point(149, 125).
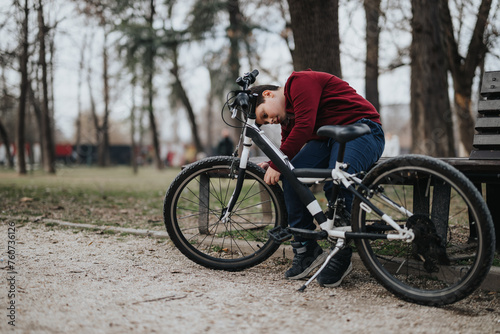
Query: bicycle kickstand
point(338, 246)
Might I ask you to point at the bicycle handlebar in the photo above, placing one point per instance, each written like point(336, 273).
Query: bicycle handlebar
point(242, 99)
point(247, 79)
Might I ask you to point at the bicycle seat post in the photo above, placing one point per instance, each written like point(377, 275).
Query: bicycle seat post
point(340, 154)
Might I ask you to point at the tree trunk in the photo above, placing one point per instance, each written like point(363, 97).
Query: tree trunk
point(150, 57)
point(372, 10)
point(234, 35)
point(315, 26)
point(133, 153)
point(37, 109)
point(81, 68)
point(47, 134)
point(463, 69)
point(432, 123)
point(6, 143)
point(3, 132)
point(103, 145)
point(185, 101)
point(93, 112)
point(23, 66)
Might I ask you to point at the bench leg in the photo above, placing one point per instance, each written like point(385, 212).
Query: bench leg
point(493, 199)
point(440, 205)
point(267, 213)
point(441, 210)
point(204, 204)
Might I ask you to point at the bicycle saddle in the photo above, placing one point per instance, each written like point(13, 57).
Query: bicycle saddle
point(344, 133)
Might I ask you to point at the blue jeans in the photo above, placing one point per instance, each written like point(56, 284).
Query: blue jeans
point(360, 154)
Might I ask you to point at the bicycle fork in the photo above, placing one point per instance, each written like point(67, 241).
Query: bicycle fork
point(247, 143)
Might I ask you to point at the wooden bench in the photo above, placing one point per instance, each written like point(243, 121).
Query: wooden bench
point(483, 165)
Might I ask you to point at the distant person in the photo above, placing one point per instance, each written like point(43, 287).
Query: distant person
point(226, 145)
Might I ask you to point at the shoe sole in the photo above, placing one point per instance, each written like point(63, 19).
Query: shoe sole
point(316, 263)
point(336, 284)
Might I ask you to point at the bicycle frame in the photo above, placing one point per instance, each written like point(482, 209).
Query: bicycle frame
point(299, 178)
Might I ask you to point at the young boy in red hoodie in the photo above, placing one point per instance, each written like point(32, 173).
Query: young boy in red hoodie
point(308, 101)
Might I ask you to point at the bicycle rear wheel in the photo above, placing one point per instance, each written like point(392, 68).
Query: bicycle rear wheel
point(196, 201)
point(454, 235)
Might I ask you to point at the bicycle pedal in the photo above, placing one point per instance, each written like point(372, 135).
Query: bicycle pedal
point(279, 234)
point(308, 234)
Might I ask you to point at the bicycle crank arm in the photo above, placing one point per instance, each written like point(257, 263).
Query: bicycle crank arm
point(280, 234)
point(308, 234)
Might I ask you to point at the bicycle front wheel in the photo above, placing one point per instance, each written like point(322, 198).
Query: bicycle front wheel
point(196, 202)
point(454, 238)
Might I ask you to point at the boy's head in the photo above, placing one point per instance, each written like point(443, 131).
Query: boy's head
point(271, 104)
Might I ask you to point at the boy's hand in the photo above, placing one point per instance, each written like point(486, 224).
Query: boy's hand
point(272, 176)
point(263, 165)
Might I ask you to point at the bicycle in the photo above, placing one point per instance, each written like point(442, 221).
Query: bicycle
point(420, 226)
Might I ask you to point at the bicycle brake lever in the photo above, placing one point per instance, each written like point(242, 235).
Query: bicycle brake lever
point(234, 111)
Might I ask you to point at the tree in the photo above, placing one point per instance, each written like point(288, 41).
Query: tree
point(463, 68)
point(205, 16)
point(103, 129)
point(315, 26)
point(47, 136)
point(372, 10)
point(78, 123)
point(142, 44)
point(23, 68)
point(104, 14)
point(6, 143)
point(150, 68)
point(5, 105)
point(432, 125)
point(180, 93)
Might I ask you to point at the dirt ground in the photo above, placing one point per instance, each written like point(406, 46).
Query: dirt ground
point(83, 281)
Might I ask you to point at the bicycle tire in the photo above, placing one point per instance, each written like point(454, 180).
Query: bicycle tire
point(454, 243)
point(196, 200)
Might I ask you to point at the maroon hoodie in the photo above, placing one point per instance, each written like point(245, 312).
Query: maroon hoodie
point(314, 99)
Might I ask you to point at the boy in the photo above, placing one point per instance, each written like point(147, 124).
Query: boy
point(308, 101)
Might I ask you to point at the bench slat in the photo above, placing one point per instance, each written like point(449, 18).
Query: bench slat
point(489, 107)
point(488, 124)
point(486, 140)
point(486, 155)
point(491, 83)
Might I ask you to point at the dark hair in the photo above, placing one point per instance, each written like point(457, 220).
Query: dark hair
point(259, 90)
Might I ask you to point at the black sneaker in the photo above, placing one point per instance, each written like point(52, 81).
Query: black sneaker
point(307, 258)
point(339, 267)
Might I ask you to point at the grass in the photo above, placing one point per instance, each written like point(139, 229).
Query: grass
point(100, 196)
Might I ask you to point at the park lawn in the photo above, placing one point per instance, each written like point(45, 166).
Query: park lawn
point(102, 196)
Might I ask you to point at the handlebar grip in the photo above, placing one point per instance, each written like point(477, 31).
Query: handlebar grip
point(247, 79)
point(253, 75)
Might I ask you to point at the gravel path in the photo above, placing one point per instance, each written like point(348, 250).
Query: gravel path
point(81, 281)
